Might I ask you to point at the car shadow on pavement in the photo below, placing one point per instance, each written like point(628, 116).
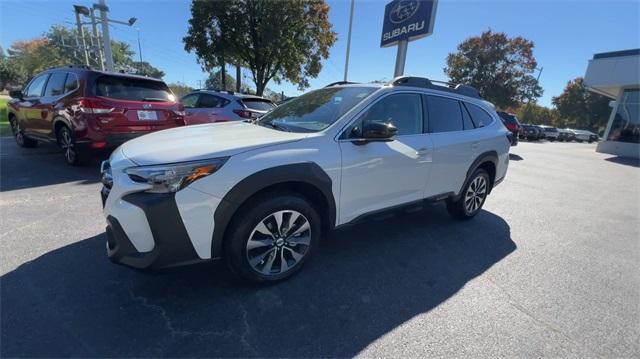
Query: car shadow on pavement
point(41, 166)
point(366, 280)
point(633, 162)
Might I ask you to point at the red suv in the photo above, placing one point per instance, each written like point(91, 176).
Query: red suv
point(83, 110)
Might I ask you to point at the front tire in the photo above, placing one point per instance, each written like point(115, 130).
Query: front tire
point(273, 238)
point(19, 136)
point(472, 197)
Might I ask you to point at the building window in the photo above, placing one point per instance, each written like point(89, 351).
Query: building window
point(626, 123)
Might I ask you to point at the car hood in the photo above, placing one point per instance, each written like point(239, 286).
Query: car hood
point(192, 143)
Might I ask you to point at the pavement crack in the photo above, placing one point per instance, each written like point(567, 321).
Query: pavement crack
point(246, 330)
point(515, 304)
point(171, 328)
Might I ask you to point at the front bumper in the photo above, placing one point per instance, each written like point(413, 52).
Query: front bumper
point(171, 244)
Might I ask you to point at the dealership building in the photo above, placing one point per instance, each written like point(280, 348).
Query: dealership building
point(617, 76)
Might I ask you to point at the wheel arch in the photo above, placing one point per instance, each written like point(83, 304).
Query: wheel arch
point(487, 161)
point(58, 122)
point(306, 179)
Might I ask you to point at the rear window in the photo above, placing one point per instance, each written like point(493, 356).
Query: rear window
point(509, 118)
point(132, 89)
point(258, 104)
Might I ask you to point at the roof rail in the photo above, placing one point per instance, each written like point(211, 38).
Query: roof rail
point(340, 83)
point(72, 66)
point(412, 81)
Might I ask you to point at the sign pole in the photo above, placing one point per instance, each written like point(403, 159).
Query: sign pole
point(401, 57)
point(346, 63)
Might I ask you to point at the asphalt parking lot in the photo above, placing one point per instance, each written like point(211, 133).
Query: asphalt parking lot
point(549, 268)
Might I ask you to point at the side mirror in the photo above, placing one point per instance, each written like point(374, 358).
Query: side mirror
point(16, 94)
point(378, 131)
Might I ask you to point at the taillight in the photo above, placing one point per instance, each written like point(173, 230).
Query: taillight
point(180, 110)
point(86, 105)
point(243, 113)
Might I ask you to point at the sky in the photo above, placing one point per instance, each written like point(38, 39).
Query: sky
point(566, 34)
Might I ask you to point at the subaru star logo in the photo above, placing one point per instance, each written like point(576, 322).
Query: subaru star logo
point(146, 106)
point(403, 10)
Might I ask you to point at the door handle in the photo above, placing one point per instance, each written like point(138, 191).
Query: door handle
point(422, 151)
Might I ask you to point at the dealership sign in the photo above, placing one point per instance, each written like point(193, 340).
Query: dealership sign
point(407, 20)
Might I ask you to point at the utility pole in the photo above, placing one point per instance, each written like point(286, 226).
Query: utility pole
point(238, 79)
point(139, 46)
point(346, 62)
point(106, 39)
point(96, 35)
point(82, 10)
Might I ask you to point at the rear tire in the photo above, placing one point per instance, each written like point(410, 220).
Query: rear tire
point(271, 239)
point(67, 142)
point(19, 136)
point(472, 197)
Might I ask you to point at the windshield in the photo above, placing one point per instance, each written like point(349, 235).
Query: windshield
point(315, 110)
point(133, 89)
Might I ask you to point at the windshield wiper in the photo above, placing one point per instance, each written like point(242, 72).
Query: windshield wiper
point(276, 126)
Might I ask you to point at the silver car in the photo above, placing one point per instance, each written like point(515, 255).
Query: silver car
point(208, 106)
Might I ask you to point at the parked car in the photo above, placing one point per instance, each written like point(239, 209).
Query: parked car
point(565, 135)
point(583, 135)
point(512, 124)
point(82, 110)
point(541, 133)
point(530, 132)
point(208, 106)
point(260, 194)
point(550, 133)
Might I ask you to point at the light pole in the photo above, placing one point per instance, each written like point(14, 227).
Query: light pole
point(139, 45)
point(346, 62)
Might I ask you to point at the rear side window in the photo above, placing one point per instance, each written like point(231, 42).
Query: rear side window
point(479, 116)
point(36, 86)
point(444, 114)
point(55, 85)
point(132, 89)
point(258, 104)
point(466, 118)
point(190, 101)
point(71, 83)
point(211, 101)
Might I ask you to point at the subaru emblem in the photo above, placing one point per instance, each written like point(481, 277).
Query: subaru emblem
point(146, 106)
point(403, 10)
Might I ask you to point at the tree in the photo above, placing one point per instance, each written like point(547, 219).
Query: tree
point(11, 74)
point(180, 89)
point(215, 81)
point(57, 47)
point(538, 115)
point(145, 69)
point(275, 40)
point(501, 68)
point(581, 108)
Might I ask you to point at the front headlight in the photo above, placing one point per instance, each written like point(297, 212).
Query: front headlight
point(175, 176)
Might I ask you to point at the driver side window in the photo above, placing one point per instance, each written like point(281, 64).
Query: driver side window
point(403, 110)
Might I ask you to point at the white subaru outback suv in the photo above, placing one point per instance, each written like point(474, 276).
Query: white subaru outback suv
point(261, 194)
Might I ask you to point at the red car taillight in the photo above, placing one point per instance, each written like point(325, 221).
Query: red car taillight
point(94, 106)
point(243, 113)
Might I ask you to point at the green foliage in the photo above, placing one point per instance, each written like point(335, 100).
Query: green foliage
point(57, 48)
point(180, 89)
point(11, 74)
point(582, 109)
point(275, 40)
point(501, 68)
point(538, 115)
point(215, 82)
point(145, 69)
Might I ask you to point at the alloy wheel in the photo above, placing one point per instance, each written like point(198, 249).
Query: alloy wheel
point(279, 242)
point(66, 142)
point(15, 127)
point(475, 195)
